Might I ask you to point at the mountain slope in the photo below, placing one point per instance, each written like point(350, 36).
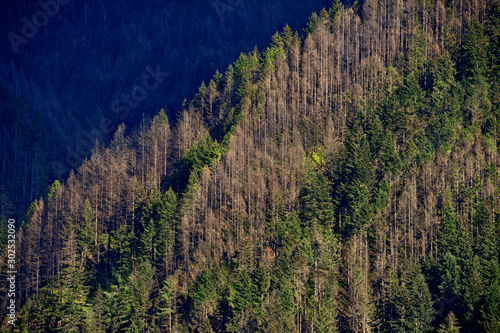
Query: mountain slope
point(342, 181)
point(84, 72)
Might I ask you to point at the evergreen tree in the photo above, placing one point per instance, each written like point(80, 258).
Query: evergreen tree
point(450, 282)
point(165, 310)
point(448, 232)
point(490, 312)
point(451, 325)
point(410, 305)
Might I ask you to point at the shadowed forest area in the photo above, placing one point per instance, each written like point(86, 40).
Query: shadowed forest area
point(345, 178)
point(72, 81)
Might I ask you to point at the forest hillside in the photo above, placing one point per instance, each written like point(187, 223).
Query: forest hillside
point(71, 81)
point(343, 179)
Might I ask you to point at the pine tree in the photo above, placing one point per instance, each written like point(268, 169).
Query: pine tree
point(316, 200)
point(261, 284)
point(450, 282)
point(148, 236)
point(451, 325)
point(409, 305)
point(490, 312)
point(447, 238)
point(475, 54)
point(473, 290)
point(166, 308)
point(166, 225)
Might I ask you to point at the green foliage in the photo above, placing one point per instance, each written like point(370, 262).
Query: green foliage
point(166, 221)
point(353, 183)
point(165, 309)
point(335, 10)
point(128, 304)
point(202, 154)
point(204, 291)
point(389, 159)
point(261, 283)
point(273, 52)
point(441, 77)
point(490, 312)
point(489, 237)
point(242, 298)
point(246, 72)
point(312, 25)
point(382, 195)
point(53, 188)
point(316, 200)
point(475, 54)
point(200, 98)
point(144, 212)
point(326, 318)
point(155, 224)
point(123, 245)
point(447, 238)
point(473, 290)
point(289, 232)
point(86, 231)
point(147, 235)
point(450, 283)
point(416, 52)
point(410, 306)
point(451, 325)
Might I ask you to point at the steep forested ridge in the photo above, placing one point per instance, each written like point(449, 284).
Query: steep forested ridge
point(73, 80)
point(342, 179)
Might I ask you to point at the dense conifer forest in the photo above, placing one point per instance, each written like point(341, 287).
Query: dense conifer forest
point(343, 179)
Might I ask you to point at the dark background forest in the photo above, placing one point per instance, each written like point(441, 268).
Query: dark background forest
point(342, 177)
